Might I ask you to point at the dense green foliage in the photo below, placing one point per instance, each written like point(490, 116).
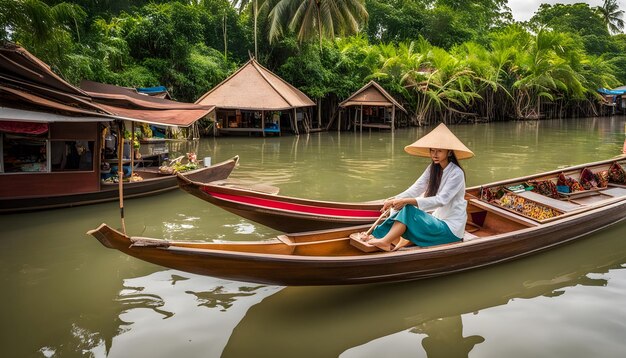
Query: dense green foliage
point(448, 60)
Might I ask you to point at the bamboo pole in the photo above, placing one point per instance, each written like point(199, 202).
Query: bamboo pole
point(120, 171)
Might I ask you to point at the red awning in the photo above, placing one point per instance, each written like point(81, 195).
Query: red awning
point(23, 127)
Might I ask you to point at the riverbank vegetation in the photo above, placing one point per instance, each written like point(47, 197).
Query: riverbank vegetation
point(445, 60)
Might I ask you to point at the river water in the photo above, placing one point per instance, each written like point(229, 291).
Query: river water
point(65, 295)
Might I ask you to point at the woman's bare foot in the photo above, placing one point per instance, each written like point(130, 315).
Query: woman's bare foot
point(402, 242)
point(384, 246)
point(365, 237)
point(362, 236)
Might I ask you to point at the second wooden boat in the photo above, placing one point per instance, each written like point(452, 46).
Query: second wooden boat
point(153, 183)
point(282, 213)
point(505, 222)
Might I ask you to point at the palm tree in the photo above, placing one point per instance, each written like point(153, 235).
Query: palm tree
point(257, 5)
point(40, 21)
point(546, 72)
point(47, 31)
point(317, 18)
point(612, 15)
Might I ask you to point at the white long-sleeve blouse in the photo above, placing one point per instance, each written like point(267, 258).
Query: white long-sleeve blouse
point(449, 203)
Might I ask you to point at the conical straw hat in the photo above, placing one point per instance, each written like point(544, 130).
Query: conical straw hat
point(439, 138)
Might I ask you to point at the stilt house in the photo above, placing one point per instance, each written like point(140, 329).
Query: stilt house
point(255, 100)
point(371, 107)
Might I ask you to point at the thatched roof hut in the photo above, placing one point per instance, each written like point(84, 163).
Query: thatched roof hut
point(250, 99)
point(374, 102)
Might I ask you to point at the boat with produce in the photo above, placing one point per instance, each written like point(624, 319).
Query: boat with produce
point(507, 220)
point(145, 181)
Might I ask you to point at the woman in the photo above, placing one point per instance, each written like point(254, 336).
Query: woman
point(440, 189)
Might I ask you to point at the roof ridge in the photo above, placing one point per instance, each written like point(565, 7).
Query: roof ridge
point(255, 63)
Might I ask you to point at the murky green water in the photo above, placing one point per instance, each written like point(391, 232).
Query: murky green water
point(65, 295)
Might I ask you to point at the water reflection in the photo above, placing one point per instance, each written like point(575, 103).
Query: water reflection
point(358, 321)
point(193, 314)
point(444, 338)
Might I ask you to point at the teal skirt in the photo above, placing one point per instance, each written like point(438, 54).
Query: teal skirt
point(422, 229)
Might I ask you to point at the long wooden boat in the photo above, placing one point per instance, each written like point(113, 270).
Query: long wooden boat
point(153, 183)
point(282, 213)
point(497, 231)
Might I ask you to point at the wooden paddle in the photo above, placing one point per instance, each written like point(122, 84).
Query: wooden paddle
point(385, 213)
point(357, 239)
point(359, 236)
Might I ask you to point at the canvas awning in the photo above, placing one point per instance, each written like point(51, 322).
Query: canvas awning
point(17, 98)
point(128, 103)
point(26, 83)
point(157, 91)
point(23, 127)
point(372, 94)
point(254, 87)
point(16, 62)
point(613, 92)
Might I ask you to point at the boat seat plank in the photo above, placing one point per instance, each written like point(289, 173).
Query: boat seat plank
point(592, 199)
point(615, 192)
point(285, 240)
point(242, 185)
point(564, 206)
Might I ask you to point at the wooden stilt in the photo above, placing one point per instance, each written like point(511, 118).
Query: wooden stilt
point(361, 116)
point(339, 121)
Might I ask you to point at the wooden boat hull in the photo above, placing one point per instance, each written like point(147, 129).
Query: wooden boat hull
point(356, 267)
point(329, 257)
point(109, 192)
point(282, 213)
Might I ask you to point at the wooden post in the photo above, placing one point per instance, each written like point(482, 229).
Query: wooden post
point(393, 118)
point(132, 150)
point(295, 121)
point(120, 171)
point(319, 114)
point(361, 121)
point(263, 123)
point(339, 121)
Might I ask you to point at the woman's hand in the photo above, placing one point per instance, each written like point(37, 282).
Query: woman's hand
point(387, 204)
point(397, 204)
